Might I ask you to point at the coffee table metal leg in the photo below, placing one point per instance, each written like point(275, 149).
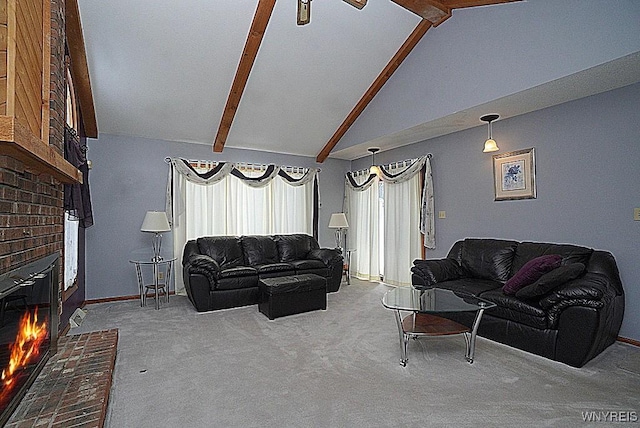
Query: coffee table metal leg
point(471, 343)
point(404, 338)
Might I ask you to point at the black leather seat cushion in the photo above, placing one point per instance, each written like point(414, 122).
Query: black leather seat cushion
point(515, 309)
point(236, 278)
point(470, 285)
point(275, 267)
point(260, 250)
point(307, 264)
point(226, 250)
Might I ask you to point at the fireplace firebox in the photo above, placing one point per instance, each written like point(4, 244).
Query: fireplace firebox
point(28, 328)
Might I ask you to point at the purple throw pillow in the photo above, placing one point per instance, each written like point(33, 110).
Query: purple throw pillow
point(531, 272)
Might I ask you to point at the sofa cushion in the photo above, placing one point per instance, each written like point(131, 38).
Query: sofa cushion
point(294, 247)
point(237, 282)
point(259, 250)
point(281, 268)
point(551, 280)
point(307, 264)
point(531, 272)
point(514, 309)
point(471, 286)
point(237, 271)
point(488, 258)
point(225, 250)
point(530, 250)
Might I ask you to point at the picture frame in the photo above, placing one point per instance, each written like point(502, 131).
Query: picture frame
point(514, 175)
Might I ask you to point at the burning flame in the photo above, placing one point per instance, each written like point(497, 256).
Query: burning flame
point(27, 344)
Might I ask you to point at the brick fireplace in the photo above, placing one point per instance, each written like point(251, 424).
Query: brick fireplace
point(32, 196)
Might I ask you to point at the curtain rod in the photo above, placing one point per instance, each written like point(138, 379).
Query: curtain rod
point(167, 160)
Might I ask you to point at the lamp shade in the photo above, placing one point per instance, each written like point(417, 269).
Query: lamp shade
point(490, 146)
point(338, 221)
point(155, 221)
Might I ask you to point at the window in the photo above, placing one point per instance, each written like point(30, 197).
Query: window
point(71, 111)
point(240, 199)
point(70, 224)
point(387, 215)
point(70, 251)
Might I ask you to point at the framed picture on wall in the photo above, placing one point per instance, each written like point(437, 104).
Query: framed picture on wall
point(514, 175)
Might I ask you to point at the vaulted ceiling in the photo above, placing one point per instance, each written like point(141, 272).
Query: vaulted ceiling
point(243, 74)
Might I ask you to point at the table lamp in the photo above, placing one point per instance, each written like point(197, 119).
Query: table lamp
point(156, 222)
point(339, 222)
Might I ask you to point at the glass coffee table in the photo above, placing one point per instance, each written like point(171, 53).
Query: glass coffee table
point(425, 305)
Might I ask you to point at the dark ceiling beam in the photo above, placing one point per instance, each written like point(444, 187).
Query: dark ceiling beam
point(79, 67)
point(435, 12)
point(459, 4)
point(251, 46)
point(375, 87)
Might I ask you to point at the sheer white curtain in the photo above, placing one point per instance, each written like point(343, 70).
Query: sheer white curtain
point(402, 229)
point(408, 212)
point(225, 204)
point(362, 213)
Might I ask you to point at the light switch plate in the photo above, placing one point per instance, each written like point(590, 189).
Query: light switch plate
point(636, 214)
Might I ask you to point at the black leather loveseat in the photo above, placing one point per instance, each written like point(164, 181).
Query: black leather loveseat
point(569, 314)
point(223, 271)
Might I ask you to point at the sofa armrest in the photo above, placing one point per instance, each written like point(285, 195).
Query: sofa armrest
point(434, 271)
point(204, 265)
point(328, 256)
point(590, 287)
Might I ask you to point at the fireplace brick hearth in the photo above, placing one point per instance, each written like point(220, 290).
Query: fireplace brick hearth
point(73, 388)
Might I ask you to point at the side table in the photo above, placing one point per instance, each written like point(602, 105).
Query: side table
point(161, 279)
point(347, 264)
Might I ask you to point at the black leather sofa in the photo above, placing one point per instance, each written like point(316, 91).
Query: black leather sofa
point(223, 271)
point(571, 323)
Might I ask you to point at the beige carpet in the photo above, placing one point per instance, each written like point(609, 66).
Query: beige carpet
point(339, 368)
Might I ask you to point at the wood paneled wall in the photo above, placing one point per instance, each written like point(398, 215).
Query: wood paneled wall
point(24, 72)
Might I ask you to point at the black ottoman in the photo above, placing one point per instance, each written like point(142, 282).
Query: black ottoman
point(288, 295)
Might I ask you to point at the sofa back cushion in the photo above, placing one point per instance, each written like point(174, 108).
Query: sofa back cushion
point(259, 250)
point(488, 258)
point(527, 251)
point(533, 270)
point(226, 250)
point(295, 247)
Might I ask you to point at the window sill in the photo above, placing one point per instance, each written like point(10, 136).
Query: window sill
point(66, 294)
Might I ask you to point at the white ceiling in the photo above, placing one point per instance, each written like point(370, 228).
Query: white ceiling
point(162, 69)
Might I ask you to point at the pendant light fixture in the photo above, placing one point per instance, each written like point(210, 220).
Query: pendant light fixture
point(304, 12)
point(373, 169)
point(490, 145)
point(304, 9)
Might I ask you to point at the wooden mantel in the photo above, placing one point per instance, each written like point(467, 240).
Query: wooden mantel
point(19, 143)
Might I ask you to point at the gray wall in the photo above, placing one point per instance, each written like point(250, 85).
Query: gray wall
point(587, 157)
point(485, 53)
point(129, 178)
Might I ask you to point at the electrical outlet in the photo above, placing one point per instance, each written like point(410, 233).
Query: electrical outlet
point(442, 214)
point(161, 275)
point(636, 214)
